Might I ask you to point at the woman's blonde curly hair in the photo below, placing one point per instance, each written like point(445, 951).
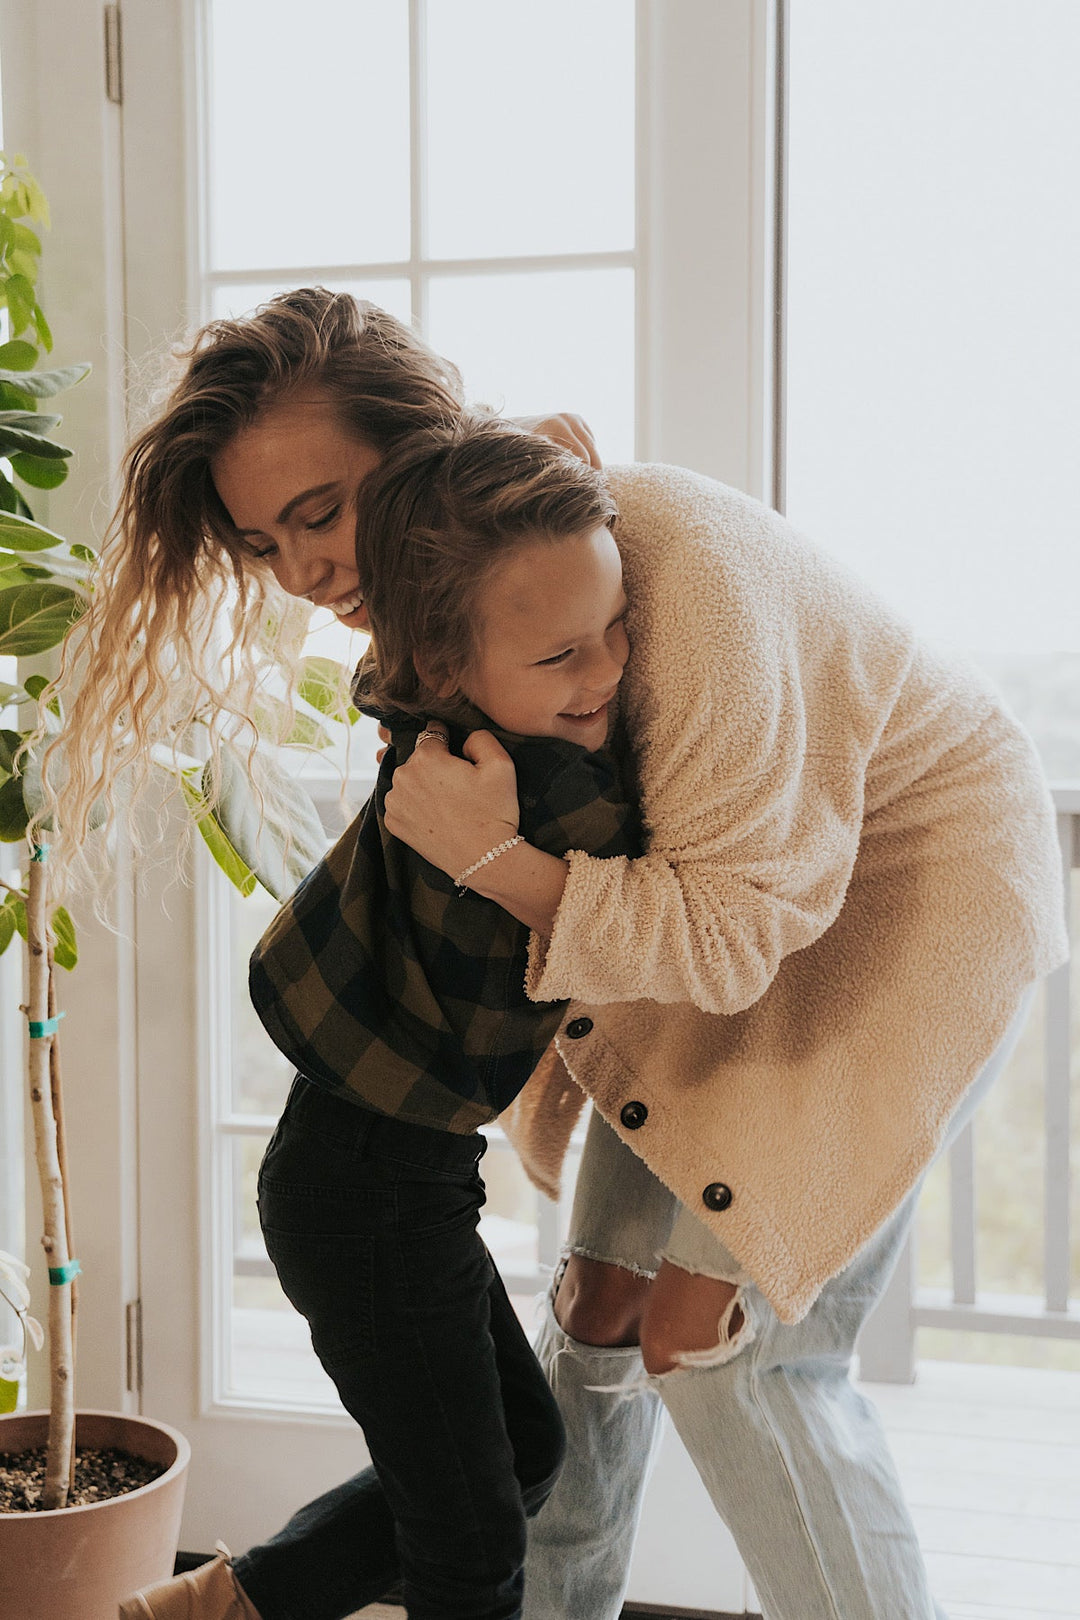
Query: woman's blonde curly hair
point(181, 623)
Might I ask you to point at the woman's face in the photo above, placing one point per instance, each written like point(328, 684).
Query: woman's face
point(289, 483)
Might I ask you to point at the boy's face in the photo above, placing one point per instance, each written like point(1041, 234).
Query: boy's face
point(552, 639)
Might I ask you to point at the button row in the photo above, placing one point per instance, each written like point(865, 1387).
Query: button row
point(717, 1195)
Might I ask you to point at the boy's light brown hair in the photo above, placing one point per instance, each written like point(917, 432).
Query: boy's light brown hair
point(436, 518)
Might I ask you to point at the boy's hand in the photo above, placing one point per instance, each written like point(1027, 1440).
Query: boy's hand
point(450, 810)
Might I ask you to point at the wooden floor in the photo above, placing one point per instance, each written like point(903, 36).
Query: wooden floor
point(990, 1459)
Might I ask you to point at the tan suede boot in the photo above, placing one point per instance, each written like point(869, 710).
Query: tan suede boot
point(210, 1592)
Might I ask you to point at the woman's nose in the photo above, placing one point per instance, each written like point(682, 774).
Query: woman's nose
point(299, 576)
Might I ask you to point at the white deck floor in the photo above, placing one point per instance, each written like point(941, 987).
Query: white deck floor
point(990, 1458)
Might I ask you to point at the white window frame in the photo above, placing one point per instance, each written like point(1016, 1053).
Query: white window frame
point(122, 264)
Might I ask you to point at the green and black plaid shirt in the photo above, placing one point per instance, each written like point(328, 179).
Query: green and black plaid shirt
point(379, 980)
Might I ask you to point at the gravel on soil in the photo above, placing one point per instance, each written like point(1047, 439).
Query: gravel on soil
point(100, 1472)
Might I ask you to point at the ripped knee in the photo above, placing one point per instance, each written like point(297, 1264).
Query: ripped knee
point(703, 1323)
point(599, 1303)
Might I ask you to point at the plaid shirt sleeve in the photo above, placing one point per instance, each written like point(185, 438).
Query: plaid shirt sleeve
point(380, 981)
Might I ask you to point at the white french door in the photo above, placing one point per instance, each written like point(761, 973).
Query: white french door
point(574, 198)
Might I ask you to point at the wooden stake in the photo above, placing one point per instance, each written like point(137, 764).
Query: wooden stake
point(53, 1192)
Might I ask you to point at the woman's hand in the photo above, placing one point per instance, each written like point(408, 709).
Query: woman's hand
point(567, 429)
point(450, 810)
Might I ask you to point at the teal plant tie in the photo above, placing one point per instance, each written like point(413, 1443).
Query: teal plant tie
point(59, 1275)
point(39, 1028)
point(40, 852)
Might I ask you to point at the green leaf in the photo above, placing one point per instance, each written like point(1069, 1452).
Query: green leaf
point(15, 574)
point(39, 473)
point(54, 707)
point(7, 928)
point(42, 328)
point(24, 264)
point(304, 730)
point(34, 685)
point(10, 743)
point(27, 422)
point(18, 910)
point(34, 618)
point(216, 839)
point(321, 684)
point(13, 816)
point(25, 440)
point(37, 204)
point(43, 384)
point(18, 355)
point(26, 239)
point(14, 694)
point(11, 499)
point(13, 398)
point(65, 946)
point(85, 554)
point(18, 293)
point(9, 1395)
point(21, 534)
point(281, 840)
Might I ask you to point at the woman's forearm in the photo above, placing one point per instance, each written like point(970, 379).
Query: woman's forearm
point(527, 883)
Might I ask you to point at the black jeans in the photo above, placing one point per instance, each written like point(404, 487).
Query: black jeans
point(372, 1226)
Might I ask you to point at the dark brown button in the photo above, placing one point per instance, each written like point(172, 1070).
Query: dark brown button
point(577, 1027)
point(717, 1195)
point(634, 1115)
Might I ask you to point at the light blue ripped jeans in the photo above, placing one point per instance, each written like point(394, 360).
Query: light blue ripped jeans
point(794, 1458)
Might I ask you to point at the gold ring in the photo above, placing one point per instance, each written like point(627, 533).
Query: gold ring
point(438, 735)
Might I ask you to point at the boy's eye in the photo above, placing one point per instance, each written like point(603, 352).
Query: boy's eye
point(559, 658)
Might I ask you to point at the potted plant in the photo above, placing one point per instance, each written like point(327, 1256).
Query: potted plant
point(99, 1516)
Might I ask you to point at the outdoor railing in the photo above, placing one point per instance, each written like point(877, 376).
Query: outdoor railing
point(887, 1346)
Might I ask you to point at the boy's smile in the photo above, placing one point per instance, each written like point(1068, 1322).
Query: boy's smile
point(552, 639)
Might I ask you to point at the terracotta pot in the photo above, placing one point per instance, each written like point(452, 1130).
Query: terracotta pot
point(78, 1562)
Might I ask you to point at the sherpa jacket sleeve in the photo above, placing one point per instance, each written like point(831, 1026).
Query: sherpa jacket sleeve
point(760, 677)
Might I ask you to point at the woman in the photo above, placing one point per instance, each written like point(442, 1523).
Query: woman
point(851, 880)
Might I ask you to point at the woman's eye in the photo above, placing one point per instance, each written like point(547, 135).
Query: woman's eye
point(326, 520)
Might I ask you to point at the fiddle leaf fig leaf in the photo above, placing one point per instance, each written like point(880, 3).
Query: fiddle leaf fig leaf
point(7, 927)
point(38, 471)
point(18, 355)
point(34, 618)
point(280, 839)
point(13, 817)
point(22, 534)
point(43, 384)
point(65, 947)
point(217, 840)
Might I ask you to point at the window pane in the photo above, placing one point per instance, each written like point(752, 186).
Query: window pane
point(553, 340)
point(308, 132)
point(240, 298)
point(934, 339)
point(530, 127)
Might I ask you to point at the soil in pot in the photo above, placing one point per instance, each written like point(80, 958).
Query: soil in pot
point(100, 1473)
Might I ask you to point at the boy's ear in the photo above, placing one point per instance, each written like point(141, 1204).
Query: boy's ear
point(436, 680)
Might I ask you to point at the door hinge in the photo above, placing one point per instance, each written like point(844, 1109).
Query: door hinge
point(114, 58)
point(133, 1323)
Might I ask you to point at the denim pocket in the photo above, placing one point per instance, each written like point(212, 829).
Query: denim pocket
point(330, 1279)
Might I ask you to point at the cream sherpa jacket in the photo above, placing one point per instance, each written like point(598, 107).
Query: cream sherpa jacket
point(852, 874)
